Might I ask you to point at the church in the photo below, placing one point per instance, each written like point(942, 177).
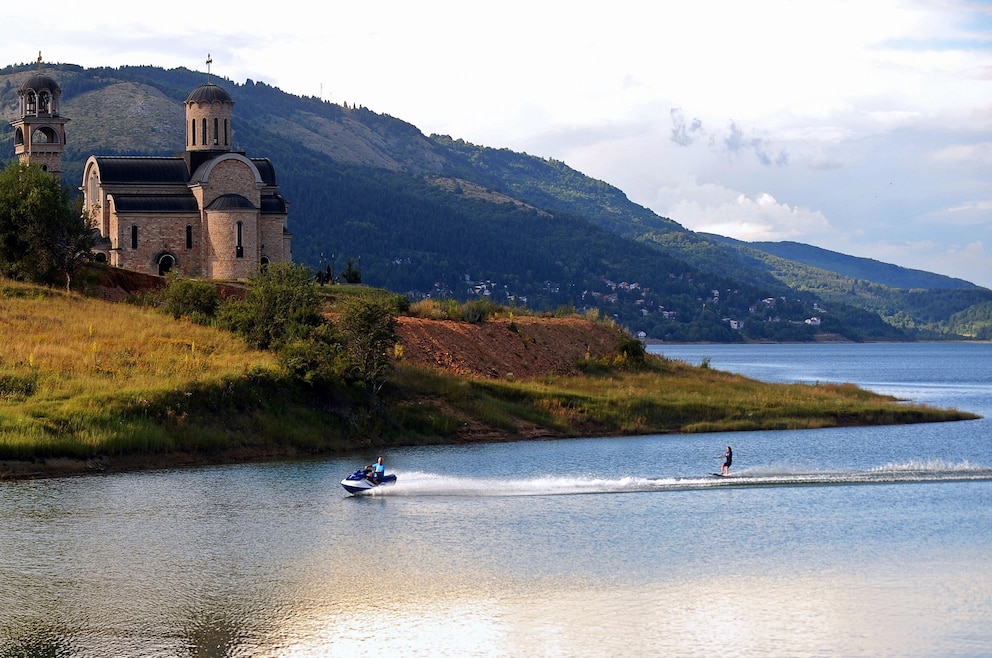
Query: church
point(209, 212)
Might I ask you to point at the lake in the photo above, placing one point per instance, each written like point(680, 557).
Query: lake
point(846, 542)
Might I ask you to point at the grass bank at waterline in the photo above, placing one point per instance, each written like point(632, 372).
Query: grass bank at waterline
point(91, 385)
point(672, 397)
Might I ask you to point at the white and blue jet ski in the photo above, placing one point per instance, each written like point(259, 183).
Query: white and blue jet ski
point(361, 481)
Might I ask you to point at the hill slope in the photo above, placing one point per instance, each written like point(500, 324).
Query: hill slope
point(867, 269)
point(432, 215)
point(90, 386)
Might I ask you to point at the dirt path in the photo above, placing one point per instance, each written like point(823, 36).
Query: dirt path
point(504, 349)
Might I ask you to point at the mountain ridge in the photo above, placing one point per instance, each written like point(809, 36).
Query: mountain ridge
point(857, 267)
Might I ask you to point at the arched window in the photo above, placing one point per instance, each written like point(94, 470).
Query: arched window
point(31, 102)
point(192, 131)
point(134, 236)
point(92, 190)
point(225, 132)
point(189, 236)
point(240, 247)
point(216, 131)
point(204, 131)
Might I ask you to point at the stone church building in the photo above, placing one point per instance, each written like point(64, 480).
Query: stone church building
point(208, 212)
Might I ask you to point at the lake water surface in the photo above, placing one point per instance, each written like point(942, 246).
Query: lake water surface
point(845, 542)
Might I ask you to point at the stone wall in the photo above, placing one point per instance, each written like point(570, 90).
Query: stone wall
point(224, 259)
point(158, 234)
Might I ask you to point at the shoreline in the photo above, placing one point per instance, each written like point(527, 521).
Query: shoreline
point(59, 467)
point(62, 467)
point(44, 468)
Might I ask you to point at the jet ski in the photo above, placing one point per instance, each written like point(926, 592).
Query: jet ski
point(361, 481)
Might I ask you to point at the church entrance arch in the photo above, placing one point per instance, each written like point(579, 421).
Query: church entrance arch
point(165, 264)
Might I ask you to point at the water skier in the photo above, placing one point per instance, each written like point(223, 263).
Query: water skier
point(728, 459)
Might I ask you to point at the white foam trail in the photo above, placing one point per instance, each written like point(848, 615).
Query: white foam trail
point(437, 484)
point(935, 465)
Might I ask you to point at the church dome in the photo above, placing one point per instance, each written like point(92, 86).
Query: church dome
point(208, 93)
point(40, 82)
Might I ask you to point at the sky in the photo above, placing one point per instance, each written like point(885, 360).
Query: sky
point(860, 126)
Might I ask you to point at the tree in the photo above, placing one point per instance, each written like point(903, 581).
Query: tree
point(42, 231)
point(68, 244)
point(352, 273)
point(280, 305)
point(368, 330)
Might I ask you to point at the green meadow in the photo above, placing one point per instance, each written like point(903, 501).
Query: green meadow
point(84, 379)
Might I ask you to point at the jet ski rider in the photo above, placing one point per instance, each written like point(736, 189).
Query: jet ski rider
point(378, 471)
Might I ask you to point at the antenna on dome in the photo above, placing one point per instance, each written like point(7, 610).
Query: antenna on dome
point(210, 60)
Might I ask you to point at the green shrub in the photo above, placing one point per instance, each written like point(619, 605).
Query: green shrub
point(630, 351)
point(195, 299)
point(18, 386)
point(281, 304)
point(477, 311)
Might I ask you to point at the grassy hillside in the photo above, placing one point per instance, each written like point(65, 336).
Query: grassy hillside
point(91, 384)
point(80, 377)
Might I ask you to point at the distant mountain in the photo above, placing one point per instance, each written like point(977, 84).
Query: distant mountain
point(433, 215)
point(854, 267)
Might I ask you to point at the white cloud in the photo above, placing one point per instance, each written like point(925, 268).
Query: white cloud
point(711, 208)
point(965, 153)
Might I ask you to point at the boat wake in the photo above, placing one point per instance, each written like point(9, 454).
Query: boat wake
point(435, 484)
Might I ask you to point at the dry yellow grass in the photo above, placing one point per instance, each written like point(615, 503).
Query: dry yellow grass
point(74, 370)
point(74, 345)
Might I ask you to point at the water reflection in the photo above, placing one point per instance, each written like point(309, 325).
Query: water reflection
point(215, 632)
point(36, 640)
point(840, 614)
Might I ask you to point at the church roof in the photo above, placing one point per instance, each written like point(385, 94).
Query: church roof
point(273, 204)
point(140, 169)
point(40, 82)
point(265, 170)
point(231, 202)
point(184, 203)
point(208, 93)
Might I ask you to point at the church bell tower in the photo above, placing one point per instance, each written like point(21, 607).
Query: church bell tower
point(39, 133)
